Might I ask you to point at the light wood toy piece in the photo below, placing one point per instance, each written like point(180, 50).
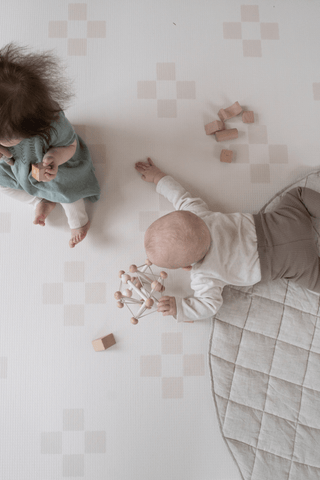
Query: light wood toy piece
point(230, 112)
point(214, 127)
point(229, 134)
point(38, 170)
point(226, 156)
point(144, 284)
point(248, 117)
point(102, 343)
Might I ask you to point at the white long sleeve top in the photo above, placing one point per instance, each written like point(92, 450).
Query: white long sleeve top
point(232, 258)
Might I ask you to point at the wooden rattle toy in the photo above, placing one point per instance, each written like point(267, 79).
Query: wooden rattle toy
point(144, 284)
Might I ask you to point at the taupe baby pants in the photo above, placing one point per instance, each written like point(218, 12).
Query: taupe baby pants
point(286, 239)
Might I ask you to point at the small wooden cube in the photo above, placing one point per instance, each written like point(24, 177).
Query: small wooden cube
point(214, 127)
point(248, 117)
point(226, 156)
point(102, 343)
point(229, 134)
point(38, 170)
point(230, 112)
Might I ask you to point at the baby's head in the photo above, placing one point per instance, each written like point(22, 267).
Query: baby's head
point(33, 91)
point(177, 240)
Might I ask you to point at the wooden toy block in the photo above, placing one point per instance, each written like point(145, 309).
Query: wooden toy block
point(102, 343)
point(230, 112)
point(248, 117)
point(38, 171)
point(229, 134)
point(214, 127)
point(226, 156)
point(143, 284)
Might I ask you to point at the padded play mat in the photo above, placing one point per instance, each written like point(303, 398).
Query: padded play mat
point(264, 357)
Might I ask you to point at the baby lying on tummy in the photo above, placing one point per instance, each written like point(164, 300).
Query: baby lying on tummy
point(229, 249)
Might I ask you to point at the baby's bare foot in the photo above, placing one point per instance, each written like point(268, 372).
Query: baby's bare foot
point(42, 211)
point(78, 234)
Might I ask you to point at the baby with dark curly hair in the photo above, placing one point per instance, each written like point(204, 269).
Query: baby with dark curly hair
point(33, 129)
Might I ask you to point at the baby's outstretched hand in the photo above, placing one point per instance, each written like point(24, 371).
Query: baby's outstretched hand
point(150, 173)
point(167, 306)
point(52, 171)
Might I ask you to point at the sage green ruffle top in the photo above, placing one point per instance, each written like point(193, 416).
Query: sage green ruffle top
point(75, 178)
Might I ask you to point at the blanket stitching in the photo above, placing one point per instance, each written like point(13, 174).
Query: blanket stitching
point(272, 338)
point(271, 362)
point(269, 375)
point(268, 413)
point(271, 453)
point(305, 373)
point(236, 358)
point(215, 401)
point(231, 287)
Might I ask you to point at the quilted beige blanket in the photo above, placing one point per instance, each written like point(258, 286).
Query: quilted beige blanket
point(264, 357)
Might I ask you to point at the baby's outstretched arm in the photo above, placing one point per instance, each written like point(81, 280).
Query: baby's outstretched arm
point(150, 173)
point(57, 156)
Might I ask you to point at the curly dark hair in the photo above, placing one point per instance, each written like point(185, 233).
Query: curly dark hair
point(33, 90)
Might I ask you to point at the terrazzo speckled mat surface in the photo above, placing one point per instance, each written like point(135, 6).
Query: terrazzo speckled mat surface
point(148, 76)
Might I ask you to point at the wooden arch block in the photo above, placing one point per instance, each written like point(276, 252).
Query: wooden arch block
point(230, 112)
point(214, 127)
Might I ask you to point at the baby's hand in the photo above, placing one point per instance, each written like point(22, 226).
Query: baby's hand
point(167, 305)
point(150, 173)
point(52, 171)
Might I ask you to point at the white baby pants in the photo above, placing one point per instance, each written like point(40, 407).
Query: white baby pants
point(75, 212)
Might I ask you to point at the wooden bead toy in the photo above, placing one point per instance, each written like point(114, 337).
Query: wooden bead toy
point(156, 286)
point(214, 127)
point(248, 117)
point(125, 278)
point(226, 156)
point(230, 112)
point(149, 303)
point(138, 284)
point(229, 134)
point(144, 285)
point(102, 343)
point(38, 170)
